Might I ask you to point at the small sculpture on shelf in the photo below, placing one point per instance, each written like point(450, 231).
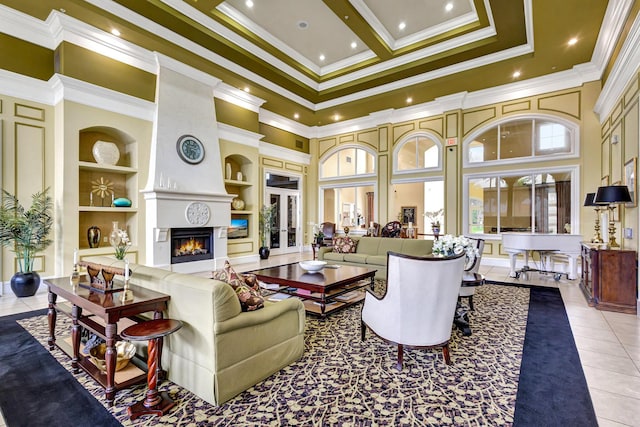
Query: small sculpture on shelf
point(101, 187)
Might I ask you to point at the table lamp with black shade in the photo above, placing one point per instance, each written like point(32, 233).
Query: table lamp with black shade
point(590, 201)
point(610, 196)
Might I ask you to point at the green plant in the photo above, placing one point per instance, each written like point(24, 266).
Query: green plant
point(26, 232)
point(266, 219)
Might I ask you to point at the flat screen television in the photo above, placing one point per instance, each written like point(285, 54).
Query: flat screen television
point(238, 229)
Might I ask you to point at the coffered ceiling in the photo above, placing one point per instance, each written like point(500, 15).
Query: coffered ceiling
point(321, 61)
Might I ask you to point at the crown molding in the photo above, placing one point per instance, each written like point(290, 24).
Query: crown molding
point(70, 89)
point(25, 27)
point(611, 28)
point(27, 88)
point(238, 135)
point(286, 154)
point(238, 97)
point(624, 70)
point(272, 119)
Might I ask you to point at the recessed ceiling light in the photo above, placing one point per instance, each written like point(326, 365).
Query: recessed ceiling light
point(516, 74)
point(115, 32)
point(296, 116)
point(572, 41)
point(322, 57)
point(402, 25)
point(409, 100)
point(448, 7)
point(246, 89)
point(336, 118)
point(303, 25)
point(354, 45)
point(63, 10)
point(249, 4)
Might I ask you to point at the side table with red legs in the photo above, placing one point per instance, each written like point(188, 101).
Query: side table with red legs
point(154, 403)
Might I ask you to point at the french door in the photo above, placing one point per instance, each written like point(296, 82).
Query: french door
point(285, 228)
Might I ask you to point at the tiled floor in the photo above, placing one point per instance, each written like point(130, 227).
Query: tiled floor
point(608, 342)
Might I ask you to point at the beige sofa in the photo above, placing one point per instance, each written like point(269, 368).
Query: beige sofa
point(372, 252)
point(221, 351)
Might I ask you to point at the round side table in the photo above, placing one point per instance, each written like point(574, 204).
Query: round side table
point(154, 403)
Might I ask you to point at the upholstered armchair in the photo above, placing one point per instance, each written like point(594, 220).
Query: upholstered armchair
point(328, 229)
point(392, 229)
point(472, 267)
point(419, 304)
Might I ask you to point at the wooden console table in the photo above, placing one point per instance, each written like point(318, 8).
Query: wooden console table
point(109, 308)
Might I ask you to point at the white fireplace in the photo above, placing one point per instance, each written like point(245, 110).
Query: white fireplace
point(181, 194)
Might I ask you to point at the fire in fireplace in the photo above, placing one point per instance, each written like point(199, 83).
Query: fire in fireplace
point(191, 244)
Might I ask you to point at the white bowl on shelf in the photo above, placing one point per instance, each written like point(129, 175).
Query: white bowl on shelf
point(312, 266)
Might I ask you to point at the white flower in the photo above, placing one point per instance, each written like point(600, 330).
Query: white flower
point(449, 245)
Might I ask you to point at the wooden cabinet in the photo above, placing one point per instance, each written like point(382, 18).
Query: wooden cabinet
point(609, 278)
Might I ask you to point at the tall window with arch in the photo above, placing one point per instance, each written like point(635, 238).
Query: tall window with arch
point(343, 201)
point(523, 200)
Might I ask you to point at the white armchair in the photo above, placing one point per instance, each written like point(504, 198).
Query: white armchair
point(418, 307)
point(472, 267)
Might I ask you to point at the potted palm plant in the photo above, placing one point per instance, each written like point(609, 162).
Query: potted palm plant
point(26, 232)
point(266, 220)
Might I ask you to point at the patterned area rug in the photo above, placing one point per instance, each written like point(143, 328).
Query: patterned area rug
point(341, 380)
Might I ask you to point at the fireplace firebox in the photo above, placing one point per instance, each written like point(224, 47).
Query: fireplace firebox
point(191, 244)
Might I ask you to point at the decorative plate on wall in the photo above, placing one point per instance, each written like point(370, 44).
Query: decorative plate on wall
point(190, 149)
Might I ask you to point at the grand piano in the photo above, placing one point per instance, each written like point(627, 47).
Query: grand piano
point(523, 243)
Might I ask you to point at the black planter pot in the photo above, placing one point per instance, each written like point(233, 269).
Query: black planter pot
point(25, 284)
point(264, 252)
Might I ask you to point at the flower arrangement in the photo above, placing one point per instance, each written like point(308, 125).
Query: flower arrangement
point(318, 234)
point(449, 245)
point(121, 243)
point(434, 217)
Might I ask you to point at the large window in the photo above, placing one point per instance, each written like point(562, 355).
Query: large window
point(417, 152)
point(529, 202)
point(349, 206)
point(346, 162)
point(343, 201)
point(522, 139)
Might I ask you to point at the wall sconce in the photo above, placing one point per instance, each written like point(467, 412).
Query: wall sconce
point(590, 201)
point(610, 196)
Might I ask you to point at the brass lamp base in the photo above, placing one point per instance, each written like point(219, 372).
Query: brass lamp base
point(612, 229)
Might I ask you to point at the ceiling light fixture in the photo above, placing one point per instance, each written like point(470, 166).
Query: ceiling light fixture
point(448, 7)
point(246, 89)
point(354, 45)
point(115, 32)
point(402, 25)
point(249, 4)
point(303, 25)
point(296, 116)
point(572, 41)
point(322, 57)
point(336, 118)
point(516, 74)
point(409, 100)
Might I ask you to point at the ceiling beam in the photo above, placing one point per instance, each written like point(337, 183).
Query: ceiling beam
point(352, 19)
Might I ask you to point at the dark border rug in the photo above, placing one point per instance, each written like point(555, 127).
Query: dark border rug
point(498, 376)
point(552, 390)
point(35, 389)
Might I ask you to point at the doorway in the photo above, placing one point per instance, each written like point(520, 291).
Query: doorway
point(284, 193)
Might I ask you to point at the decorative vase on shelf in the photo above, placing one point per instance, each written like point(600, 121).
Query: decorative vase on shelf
point(93, 236)
point(227, 171)
point(106, 153)
point(239, 176)
point(237, 204)
point(114, 238)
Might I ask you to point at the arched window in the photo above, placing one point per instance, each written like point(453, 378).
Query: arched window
point(348, 161)
point(417, 152)
point(521, 139)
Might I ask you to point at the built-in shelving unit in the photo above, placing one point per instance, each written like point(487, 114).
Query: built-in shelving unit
point(244, 189)
point(119, 180)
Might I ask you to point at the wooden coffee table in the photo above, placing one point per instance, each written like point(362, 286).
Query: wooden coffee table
point(324, 292)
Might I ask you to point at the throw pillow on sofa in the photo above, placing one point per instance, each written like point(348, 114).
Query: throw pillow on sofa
point(246, 287)
point(344, 245)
